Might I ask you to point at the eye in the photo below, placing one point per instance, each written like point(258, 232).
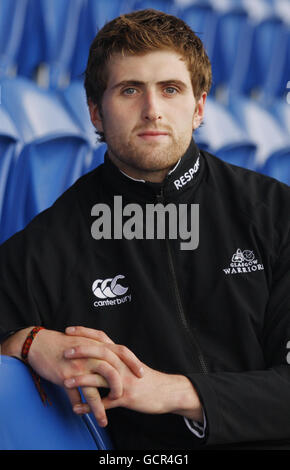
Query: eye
point(129, 91)
point(170, 90)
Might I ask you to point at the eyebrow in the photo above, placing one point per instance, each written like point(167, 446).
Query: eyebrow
point(171, 81)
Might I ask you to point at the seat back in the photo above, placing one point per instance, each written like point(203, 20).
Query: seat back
point(53, 156)
point(61, 23)
point(231, 39)
point(261, 127)
point(225, 137)
point(8, 144)
point(74, 98)
point(203, 21)
point(278, 166)
point(12, 13)
point(27, 424)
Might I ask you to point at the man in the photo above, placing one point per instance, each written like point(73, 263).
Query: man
point(174, 346)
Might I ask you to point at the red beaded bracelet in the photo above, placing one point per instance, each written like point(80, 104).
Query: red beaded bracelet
point(24, 355)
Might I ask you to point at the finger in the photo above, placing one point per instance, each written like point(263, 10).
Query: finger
point(88, 333)
point(93, 399)
point(93, 353)
point(129, 358)
point(110, 403)
point(106, 376)
point(111, 353)
point(76, 401)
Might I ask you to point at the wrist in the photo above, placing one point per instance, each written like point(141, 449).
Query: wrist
point(28, 342)
point(12, 346)
point(187, 400)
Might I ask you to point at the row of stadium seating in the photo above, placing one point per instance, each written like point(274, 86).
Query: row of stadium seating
point(47, 141)
point(248, 42)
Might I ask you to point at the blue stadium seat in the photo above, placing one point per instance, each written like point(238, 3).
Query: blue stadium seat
point(224, 136)
point(278, 75)
point(203, 21)
point(53, 155)
point(231, 38)
point(280, 108)
point(278, 166)
point(12, 13)
point(8, 143)
point(53, 24)
point(93, 15)
point(269, 45)
point(263, 62)
point(163, 5)
point(27, 424)
point(31, 51)
point(61, 23)
point(262, 128)
point(97, 157)
point(74, 97)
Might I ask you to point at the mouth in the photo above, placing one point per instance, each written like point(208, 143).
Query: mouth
point(152, 135)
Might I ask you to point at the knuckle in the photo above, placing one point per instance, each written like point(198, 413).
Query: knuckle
point(76, 366)
point(102, 335)
point(91, 394)
point(102, 368)
point(113, 376)
point(123, 350)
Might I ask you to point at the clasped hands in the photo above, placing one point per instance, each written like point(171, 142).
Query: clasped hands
point(107, 365)
point(132, 384)
point(87, 359)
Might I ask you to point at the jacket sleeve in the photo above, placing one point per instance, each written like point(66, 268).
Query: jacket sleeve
point(254, 405)
point(17, 302)
point(34, 266)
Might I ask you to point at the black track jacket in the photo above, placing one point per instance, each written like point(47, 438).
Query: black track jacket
point(218, 314)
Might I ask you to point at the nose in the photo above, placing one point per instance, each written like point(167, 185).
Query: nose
point(151, 111)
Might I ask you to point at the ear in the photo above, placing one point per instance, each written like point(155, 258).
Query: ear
point(199, 111)
point(95, 115)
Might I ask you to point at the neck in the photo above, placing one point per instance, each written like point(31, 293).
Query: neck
point(142, 175)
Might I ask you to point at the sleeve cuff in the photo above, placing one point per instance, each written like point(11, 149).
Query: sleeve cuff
point(195, 427)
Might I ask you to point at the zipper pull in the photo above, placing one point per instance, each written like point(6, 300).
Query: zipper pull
point(160, 196)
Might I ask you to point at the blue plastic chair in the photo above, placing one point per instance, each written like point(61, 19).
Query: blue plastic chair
point(231, 38)
point(12, 14)
point(224, 136)
point(31, 51)
point(53, 156)
point(8, 143)
point(281, 110)
point(261, 127)
point(27, 424)
point(166, 6)
point(278, 166)
point(93, 15)
point(55, 32)
point(269, 46)
point(264, 61)
point(203, 21)
point(75, 99)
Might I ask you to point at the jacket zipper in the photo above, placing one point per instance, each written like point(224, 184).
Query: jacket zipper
point(189, 332)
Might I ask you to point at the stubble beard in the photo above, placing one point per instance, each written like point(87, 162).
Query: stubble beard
point(148, 157)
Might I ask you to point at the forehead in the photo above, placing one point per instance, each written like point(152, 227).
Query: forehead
point(150, 67)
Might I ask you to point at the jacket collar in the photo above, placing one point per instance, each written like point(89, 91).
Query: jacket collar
point(176, 186)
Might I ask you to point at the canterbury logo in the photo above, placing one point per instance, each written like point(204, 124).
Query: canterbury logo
point(108, 288)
